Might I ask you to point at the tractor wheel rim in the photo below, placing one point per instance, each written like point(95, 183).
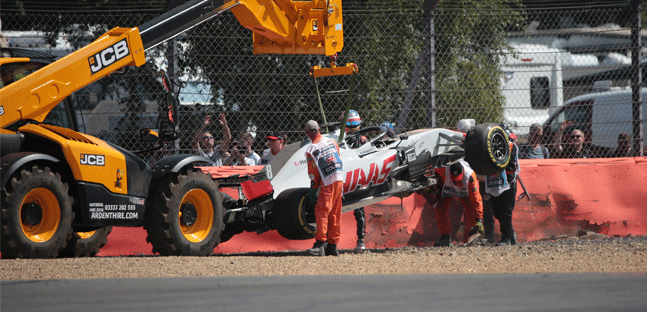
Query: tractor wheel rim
point(50, 211)
point(84, 235)
point(200, 229)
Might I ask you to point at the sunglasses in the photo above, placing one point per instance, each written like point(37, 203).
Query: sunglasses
point(206, 137)
point(576, 136)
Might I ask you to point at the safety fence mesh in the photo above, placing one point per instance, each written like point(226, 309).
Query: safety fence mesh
point(563, 67)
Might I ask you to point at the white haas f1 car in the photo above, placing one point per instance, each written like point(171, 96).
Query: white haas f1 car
point(278, 195)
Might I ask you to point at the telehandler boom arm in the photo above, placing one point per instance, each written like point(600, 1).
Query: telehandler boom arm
point(279, 27)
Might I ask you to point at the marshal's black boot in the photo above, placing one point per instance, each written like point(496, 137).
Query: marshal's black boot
point(331, 250)
point(513, 239)
point(445, 240)
point(505, 241)
point(318, 249)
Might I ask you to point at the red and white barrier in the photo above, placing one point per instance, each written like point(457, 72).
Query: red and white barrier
point(608, 196)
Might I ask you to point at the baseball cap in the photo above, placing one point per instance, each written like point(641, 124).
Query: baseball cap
point(456, 171)
point(275, 135)
point(312, 125)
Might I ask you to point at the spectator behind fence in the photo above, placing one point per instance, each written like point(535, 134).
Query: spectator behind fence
point(203, 142)
point(574, 145)
point(242, 153)
point(624, 146)
point(275, 142)
point(534, 149)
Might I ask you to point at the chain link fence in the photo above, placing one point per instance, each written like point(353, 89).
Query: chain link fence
point(421, 64)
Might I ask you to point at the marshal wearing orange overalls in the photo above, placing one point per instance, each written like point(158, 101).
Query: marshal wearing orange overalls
point(458, 181)
point(325, 172)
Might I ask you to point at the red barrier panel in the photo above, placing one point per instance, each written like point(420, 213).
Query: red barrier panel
point(607, 196)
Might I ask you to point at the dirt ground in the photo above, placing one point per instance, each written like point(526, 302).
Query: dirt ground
point(588, 253)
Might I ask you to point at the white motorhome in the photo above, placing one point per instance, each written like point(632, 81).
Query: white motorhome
point(531, 84)
point(601, 116)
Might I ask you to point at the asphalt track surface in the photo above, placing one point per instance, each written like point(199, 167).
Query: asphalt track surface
point(494, 292)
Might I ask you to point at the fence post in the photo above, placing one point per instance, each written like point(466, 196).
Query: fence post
point(636, 78)
point(171, 57)
point(427, 49)
point(431, 63)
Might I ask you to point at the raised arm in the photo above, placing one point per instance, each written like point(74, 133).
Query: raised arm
point(226, 133)
point(197, 136)
point(558, 136)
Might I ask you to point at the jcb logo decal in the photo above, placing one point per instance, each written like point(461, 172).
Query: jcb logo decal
point(109, 56)
point(93, 160)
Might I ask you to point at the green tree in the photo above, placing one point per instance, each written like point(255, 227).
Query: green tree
point(266, 92)
point(390, 37)
point(469, 43)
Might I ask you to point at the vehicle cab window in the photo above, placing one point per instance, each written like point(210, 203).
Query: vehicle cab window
point(61, 116)
point(13, 72)
point(539, 92)
point(579, 113)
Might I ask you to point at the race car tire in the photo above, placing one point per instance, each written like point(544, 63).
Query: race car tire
point(294, 214)
point(231, 229)
point(86, 244)
point(184, 215)
point(487, 149)
point(36, 214)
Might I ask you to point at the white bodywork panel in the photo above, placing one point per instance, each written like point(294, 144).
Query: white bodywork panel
point(368, 161)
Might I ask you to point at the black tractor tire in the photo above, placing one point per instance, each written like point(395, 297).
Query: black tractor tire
point(36, 214)
point(487, 149)
point(184, 214)
point(233, 228)
point(86, 244)
point(294, 215)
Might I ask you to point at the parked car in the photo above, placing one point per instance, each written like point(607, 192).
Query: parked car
point(601, 116)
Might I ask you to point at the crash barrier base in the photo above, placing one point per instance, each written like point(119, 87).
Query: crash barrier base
point(607, 196)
